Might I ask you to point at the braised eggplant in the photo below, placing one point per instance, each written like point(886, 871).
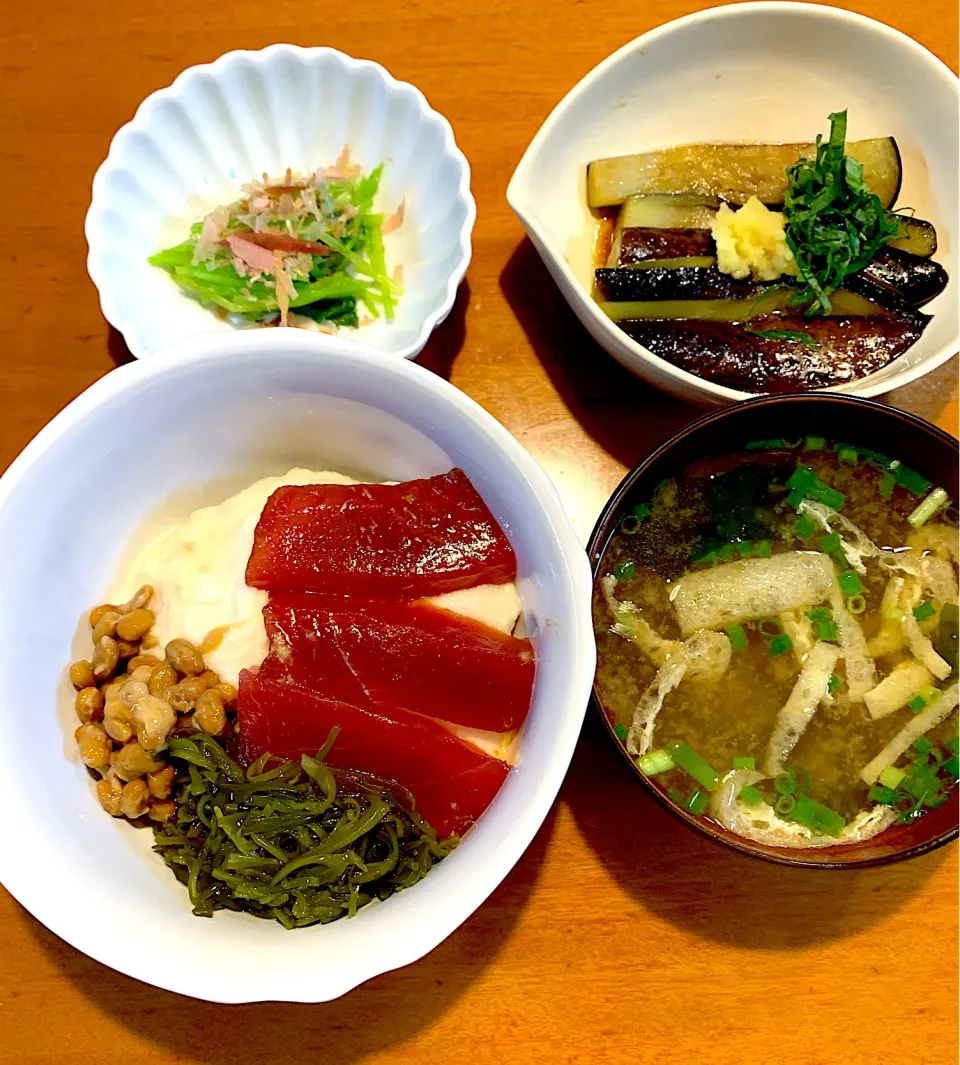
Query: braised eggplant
point(917, 241)
point(917, 237)
point(731, 172)
point(844, 349)
point(681, 211)
point(660, 282)
point(641, 245)
point(661, 213)
point(917, 280)
point(740, 309)
point(691, 273)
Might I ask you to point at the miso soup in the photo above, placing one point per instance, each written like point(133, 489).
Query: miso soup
point(777, 641)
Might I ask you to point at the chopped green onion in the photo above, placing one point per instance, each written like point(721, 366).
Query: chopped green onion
point(827, 631)
point(929, 694)
point(917, 703)
point(952, 766)
point(805, 527)
point(926, 510)
point(887, 483)
point(623, 570)
point(795, 497)
point(744, 548)
point(953, 744)
point(833, 683)
point(785, 783)
point(780, 645)
point(856, 604)
point(815, 815)
point(675, 797)
point(923, 746)
point(785, 804)
point(693, 765)
point(831, 543)
point(763, 445)
point(744, 762)
point(655, 762)
point(829, 821)
point(803, 779)
point(830, 497)
point(820, 614)
point(697, 803)
point(725, 553)
point(620, 731)
point(814, 443)
point(805, 810)
point(891, 777)
point(875, 458)
point(750, 795)
point(802, 479)
point(762, 549)
point(641, 511)
point(911, 480)
point(738, 637)
point(629, 525)
point(846, 453)
point(850, 583)
point(925, 610)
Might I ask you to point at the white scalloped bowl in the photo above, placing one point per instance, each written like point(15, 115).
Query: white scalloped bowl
point(747, 72)
point(190, 146)
point(210, 415)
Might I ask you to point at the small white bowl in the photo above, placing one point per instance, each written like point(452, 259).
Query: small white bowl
point(747, 72)
point(212, 414)
point(190, 147)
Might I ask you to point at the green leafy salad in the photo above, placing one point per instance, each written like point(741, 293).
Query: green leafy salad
point(301, 249)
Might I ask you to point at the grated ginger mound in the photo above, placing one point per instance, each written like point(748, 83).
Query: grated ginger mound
point(752, 242)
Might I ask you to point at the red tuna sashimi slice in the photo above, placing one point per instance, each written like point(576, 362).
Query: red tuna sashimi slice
point(452, 782)
point(405, 655)
point(402, 541)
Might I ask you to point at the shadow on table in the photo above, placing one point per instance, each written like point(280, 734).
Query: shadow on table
point(445, 342)
point(928, 396)
point(386, 1011)
point(625, 415)
point(711, 891)
point(117, 347)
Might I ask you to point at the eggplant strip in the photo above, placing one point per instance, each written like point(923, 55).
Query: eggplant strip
point(917, 237)
point(917, 280)
point(847, 348)
point(639, 244)
point(731, 172)
point(738, 307)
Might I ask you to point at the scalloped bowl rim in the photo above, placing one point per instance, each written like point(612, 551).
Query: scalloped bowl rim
point(100, 200)
point(707, 392)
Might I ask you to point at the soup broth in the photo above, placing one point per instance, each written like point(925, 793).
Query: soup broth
point(773, 723)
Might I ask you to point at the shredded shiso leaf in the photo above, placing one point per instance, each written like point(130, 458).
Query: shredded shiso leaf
point(834, 224)
point(335, 215)
point(285, 841)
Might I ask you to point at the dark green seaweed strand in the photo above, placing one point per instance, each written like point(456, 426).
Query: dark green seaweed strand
point(284, 841)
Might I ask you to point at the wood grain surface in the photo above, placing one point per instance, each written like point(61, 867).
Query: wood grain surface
point(618, 937)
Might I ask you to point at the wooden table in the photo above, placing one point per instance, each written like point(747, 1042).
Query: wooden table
point(618, 938)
